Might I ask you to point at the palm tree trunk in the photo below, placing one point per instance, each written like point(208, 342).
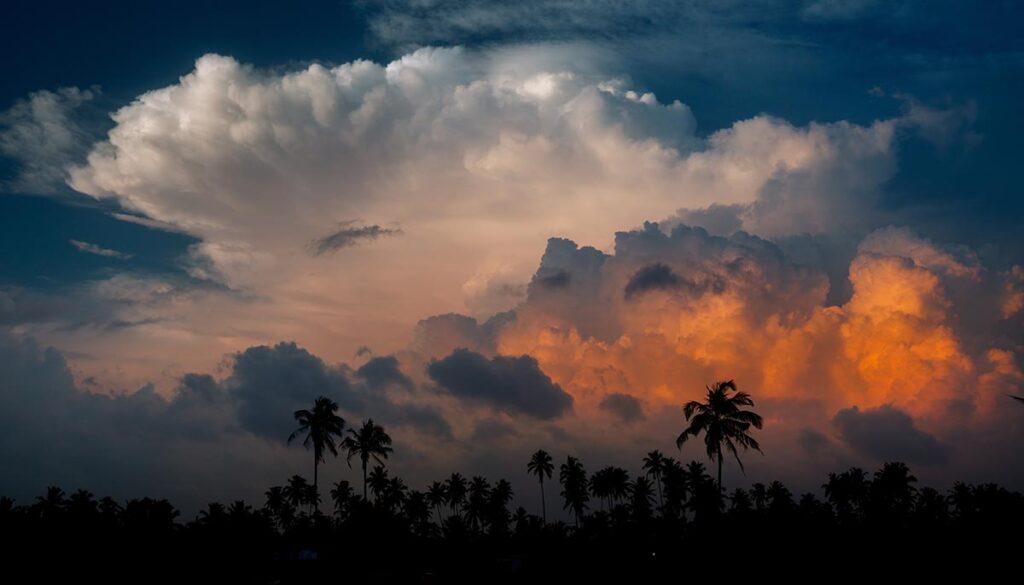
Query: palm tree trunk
point(543, 505)
point(661, 502)
point(316, 493)
point(719, 474)
point(364, 480)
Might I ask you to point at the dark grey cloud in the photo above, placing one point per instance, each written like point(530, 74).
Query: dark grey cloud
point(350, 236)
point(888, 434)
point(655, 276)
point(554, 279)
point(625, 407)
point(383, 371)
point(812, 441)
point(515, 385)
point(269, 383)
point(659, 276)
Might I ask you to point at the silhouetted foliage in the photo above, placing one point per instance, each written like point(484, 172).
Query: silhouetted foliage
point(723, 422)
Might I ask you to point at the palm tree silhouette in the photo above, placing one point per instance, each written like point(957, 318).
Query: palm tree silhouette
point(378, 482)
point(341, 495)
point(370, 440)
point(296, 491)
point(479, 496)
point(723, 423)
point(654, 464)
point(640, 492)
point(437, 497)
point(321, 425)
point(456, 489)
point(574, 487)
point(540, 465)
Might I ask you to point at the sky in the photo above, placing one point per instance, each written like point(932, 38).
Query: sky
point(500, 227)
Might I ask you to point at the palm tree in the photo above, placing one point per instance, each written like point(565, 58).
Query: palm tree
point(321, 425)
point(723, 423)
point(498, 516)
point(437, 496)
point(378, 482)
point(456, 489)
point(574, 487)
point(654, 464)
point(540, 465)
point(296, 492)
point(341, 495)
point(640, 492)
point(479, 496)
point(369, 441)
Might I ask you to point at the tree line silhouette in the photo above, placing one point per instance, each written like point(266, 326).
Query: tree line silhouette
point(463, 528)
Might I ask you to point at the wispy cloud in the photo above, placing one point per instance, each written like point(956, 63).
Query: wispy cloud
point(43, 134)
point(350, 236)
point(98, 250)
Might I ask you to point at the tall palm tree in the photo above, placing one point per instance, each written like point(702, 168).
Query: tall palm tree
point(370, 440)
point(296, 491)
point(654, 464)
point(456, 489)
point(437, 496)
point(378, 482)
point(341, 495)
point(723, 423)
point(574, 487)
point(320, 425)
point(541, 466)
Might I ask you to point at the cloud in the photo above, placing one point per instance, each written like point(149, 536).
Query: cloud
point(515, 385)
point(209, 438)
point(350, 236)
point(44, 134)
point(383, 371)
point(268, 383)
point(623, 406)
point(98, 251)
point(888, 434)
point(813, 442)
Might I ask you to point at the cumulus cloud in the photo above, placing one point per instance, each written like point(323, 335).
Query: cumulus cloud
point(623, 406)
point(44, 134)
point(98, 250)
point(888, 434)
point(480, 156)
point(512, 384)
point(896, 347)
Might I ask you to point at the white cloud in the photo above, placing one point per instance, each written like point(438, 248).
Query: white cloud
point(43, 135)
point(479, 156)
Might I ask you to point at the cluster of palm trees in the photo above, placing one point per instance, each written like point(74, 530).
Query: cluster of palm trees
point(721, 417)
point(323, 427)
